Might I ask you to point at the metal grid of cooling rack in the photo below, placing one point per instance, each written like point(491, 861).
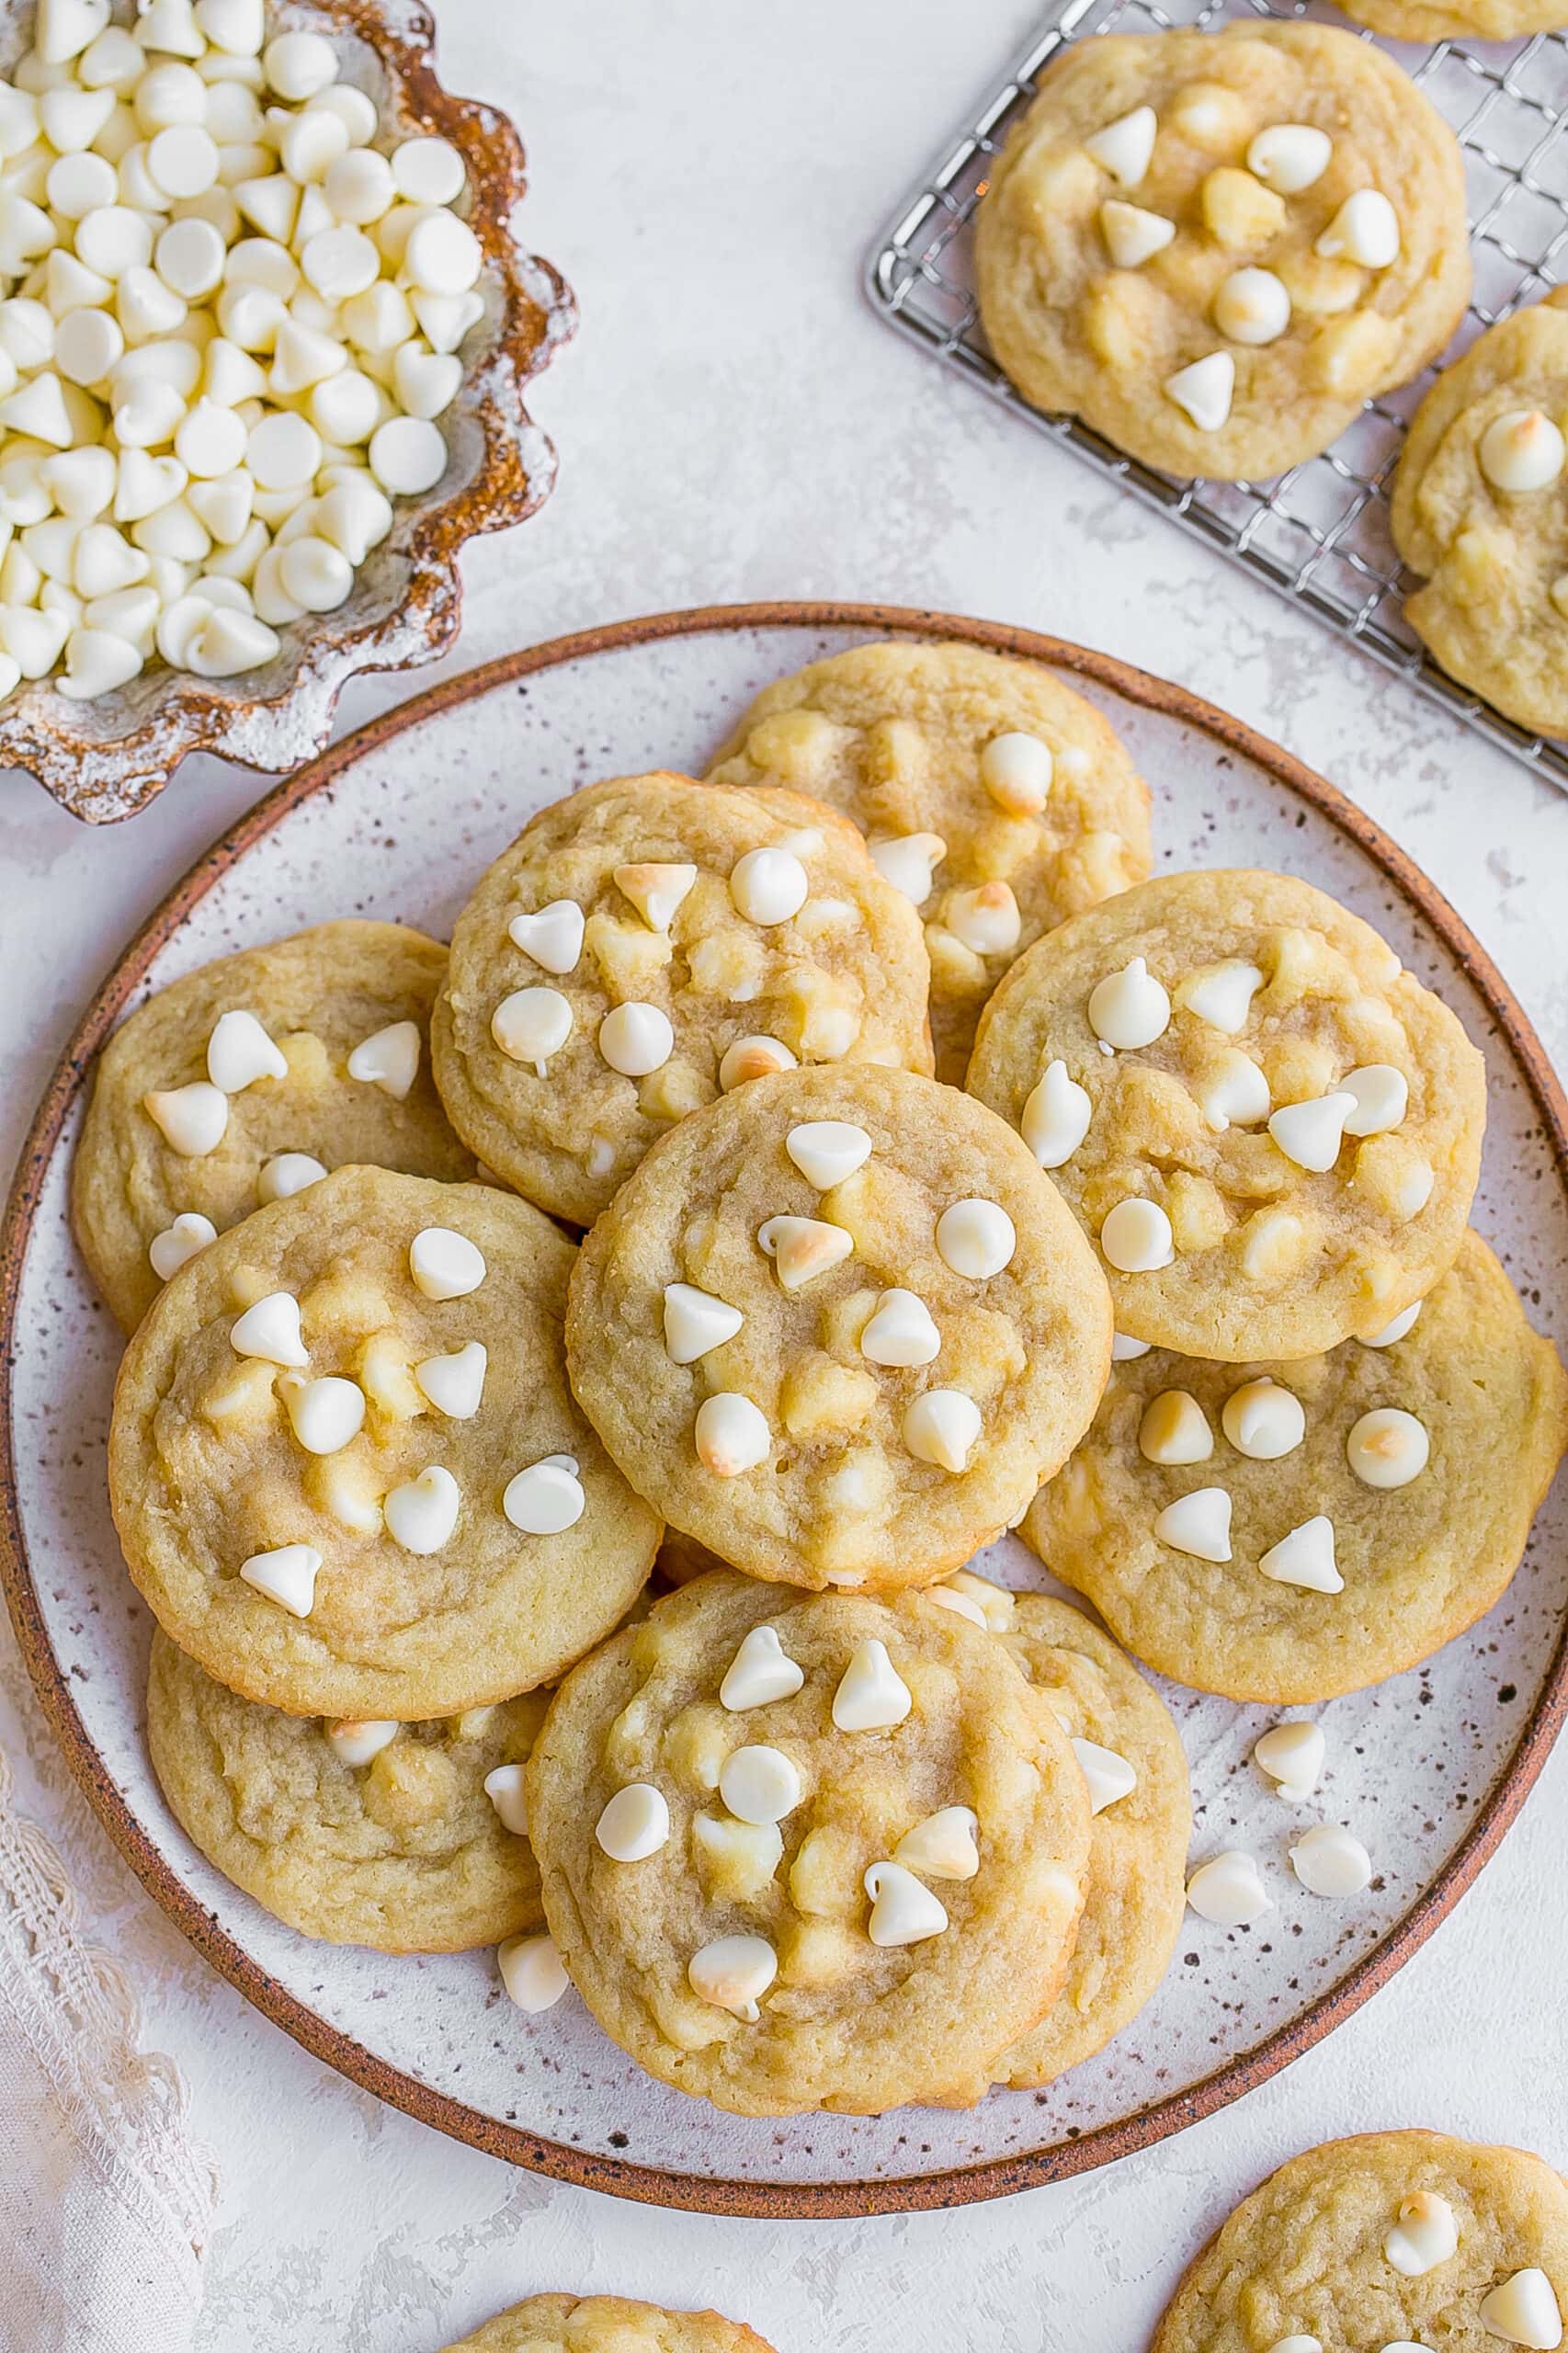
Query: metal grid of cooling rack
point(1319, 534)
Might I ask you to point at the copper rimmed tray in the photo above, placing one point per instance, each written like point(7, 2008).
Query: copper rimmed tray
point(1430, 1768)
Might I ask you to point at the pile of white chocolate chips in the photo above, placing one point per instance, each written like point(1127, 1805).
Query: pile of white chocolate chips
point(228, 323)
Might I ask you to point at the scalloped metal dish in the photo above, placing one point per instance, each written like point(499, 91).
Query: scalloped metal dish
point(104, 760)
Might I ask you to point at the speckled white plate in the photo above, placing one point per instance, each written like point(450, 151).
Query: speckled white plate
point(1429, 1769)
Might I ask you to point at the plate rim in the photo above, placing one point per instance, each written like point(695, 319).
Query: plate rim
point(656, 2185)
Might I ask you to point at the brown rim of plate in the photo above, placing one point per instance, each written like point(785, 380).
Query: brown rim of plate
point(794, 2201)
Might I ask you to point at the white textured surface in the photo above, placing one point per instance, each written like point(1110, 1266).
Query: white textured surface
point(731, 424)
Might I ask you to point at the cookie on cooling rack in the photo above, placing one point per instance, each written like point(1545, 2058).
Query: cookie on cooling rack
point(807, 1851)
point(1214, 247)
point(1481, 509)
point(607, 2325)
point(647, 945)
point(407, 1838)
point(344, 1465)
point(994, 796)
point(837, 1327)
point(1391, 2239)
point(1286, 1531)
point(247, 1080)
point(1466, 20)
point(1272, 1132)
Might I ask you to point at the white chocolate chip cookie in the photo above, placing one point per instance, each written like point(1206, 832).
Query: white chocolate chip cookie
point(1464, 20)
point(1286, 1531)
point(248, 1079)
point(997, 799)
point(862, 1850)
point(407, 1838)
point(1270, 1130)
point(837, 1327)
point(1391, 2240)
point(1480, 508)
point(647, 945)
point(1214, 247)
point(344, 1464)
point(607, 2325)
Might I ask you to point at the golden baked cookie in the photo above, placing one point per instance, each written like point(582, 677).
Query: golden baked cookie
point(1466, 20)
point(807, 1851)
point(994, 796)
point(1286, 1531)
point(316, 1044)
point(645, 946)
point(837, 1327)
point(401, 1836)
point(1480, 508)
point(1391, 2240)
point(607, 2325)
point(1272, 1132)
point(1214, 247)
point(346, 1466)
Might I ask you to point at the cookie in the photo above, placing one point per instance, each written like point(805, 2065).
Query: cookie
point(645, 946)
point(1287, 1532)
point(607, 2325)
point(248, 1079)
point(994, 796)
point(1392, 2239)
point(837, 1327)
point(1214, 247)
point(1468, 20)
point(1479, 509)
point(344, 1464)
point(401, 1836)
point(1272, 1132)
point(806, 1852)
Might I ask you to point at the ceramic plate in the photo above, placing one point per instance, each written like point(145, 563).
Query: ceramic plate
point(1429, 1769)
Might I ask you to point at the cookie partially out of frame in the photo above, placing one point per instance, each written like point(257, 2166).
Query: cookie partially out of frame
point(607, 2325)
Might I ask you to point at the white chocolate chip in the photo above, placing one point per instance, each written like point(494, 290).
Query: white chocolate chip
point(900, 1331)
point(1387, 1448)
point(1424, 2234)
point(1305, 1558)
point(943, 1846)
point(976, 1238)
point(531, 1024)
point(903, 1911)
point(802, 1247)
point(1175, 1430)
point(1204, 390)
point(355, 1740)
point(908, 861)
point(942, 1425)
point(389, 1058)
point(959, 1603)
point(1310, 1133)
point(547, 1498)
point(827, 1150)
point(1108, 1775)
point(656, 890)
point(1229, 1890)
point(1130, 1008)
point(1293, 1756)
point(168, 1251)
point(445, 1265)
point(1056, 1117)
point(531, 1972)
point(1124, 147)
point(731, 1434)
point(553, 937)
point(1234, 1093)
point(751, 1058)
point(504, 1787)
point(1524, 2311)
point(193, 1119)
point(1415, 1188)
point(636, 1039)
point(1132, 235)
point(1136, 1237)
point(325, 1415)
point(1396, 1328)
point(1364, 230)
point(986, 919)
point(422, 1514)
point(1289, 156)
point(1124, 1351)
point(1252, 307)
point(1016, 768)
point(1221, 993)
point(1309, 2344)
point(734, 1972)
point(769, 886)
point(634, 1824)
point(1329, 1861)
point(759, 1672)
point(1264, 1420)
point(759, 1784)
point(695, 1321)
point(454, 1382)
point(871, 1696)
point(287, 1574)
point(1198, 1524)
point(239, 1051)
point(285, 1174)
point(1382, 1097)
point(270, 1330)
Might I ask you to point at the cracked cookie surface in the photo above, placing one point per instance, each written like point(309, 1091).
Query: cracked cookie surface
point(607, 2325)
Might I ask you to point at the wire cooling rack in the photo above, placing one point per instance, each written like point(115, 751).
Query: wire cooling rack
point(1319, 534)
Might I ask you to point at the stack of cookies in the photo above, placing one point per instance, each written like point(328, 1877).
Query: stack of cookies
point(1181, 1287)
